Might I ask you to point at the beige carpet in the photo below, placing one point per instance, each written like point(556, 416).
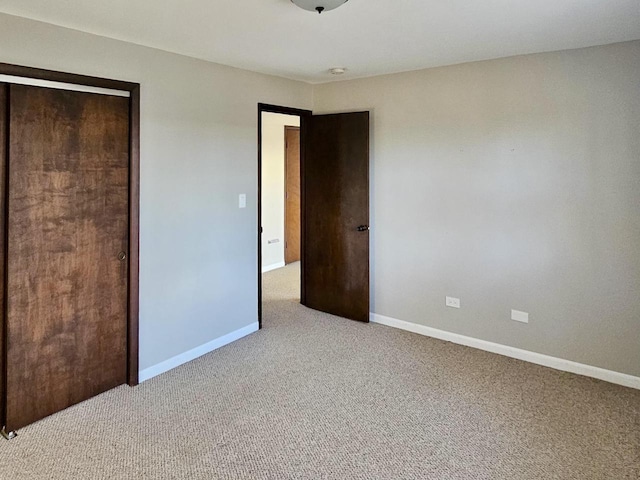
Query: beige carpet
point(313, 396)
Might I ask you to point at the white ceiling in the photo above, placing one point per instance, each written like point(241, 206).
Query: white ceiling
point(369, 37)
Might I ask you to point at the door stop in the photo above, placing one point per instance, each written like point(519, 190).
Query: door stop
point(8, 435)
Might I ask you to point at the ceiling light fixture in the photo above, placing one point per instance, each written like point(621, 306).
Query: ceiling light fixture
point(319, 5)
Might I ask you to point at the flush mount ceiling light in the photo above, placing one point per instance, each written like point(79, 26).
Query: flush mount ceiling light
point(319, 5)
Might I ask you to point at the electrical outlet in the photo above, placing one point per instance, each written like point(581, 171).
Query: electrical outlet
point(274, 240)
point(519, 316)
point(452, 302)
point(242, 200)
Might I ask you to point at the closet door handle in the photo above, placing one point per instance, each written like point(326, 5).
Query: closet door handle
point(122, 256)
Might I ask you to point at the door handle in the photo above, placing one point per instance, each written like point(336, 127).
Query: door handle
point(363, 228)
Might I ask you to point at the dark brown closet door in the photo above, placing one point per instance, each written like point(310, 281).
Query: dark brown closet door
point(67, 224)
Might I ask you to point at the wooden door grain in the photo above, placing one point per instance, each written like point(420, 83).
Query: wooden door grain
point(292, 195)
point(67, 223)
point(336, 214)
point(3, 193)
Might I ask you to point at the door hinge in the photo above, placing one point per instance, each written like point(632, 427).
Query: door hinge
point(8, 435)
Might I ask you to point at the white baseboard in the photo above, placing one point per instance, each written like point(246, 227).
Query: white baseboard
point(189, 355)
point(273, 266)
point(537, 358)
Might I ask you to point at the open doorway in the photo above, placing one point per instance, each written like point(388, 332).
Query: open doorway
point(280, 214)
point(280, 190)
point(332, 233)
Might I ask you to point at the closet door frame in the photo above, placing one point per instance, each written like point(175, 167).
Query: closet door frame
point(133, 300)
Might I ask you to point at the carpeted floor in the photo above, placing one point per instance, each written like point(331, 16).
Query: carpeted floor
point(313, 396)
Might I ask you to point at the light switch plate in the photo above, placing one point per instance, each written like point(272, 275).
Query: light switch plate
point(242, 200)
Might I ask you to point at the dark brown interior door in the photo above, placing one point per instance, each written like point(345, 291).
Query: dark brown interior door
point(292, 195)
point(335, 172)
point(3, 172)
point(66, 312)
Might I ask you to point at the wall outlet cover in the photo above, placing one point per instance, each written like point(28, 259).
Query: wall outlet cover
point(452, 302)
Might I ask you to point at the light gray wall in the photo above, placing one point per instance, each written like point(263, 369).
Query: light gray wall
point(198, 255)
point(512, 183)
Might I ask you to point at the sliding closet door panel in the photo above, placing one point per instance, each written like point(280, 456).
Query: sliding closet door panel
point(3, 191)
point(67, 226)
